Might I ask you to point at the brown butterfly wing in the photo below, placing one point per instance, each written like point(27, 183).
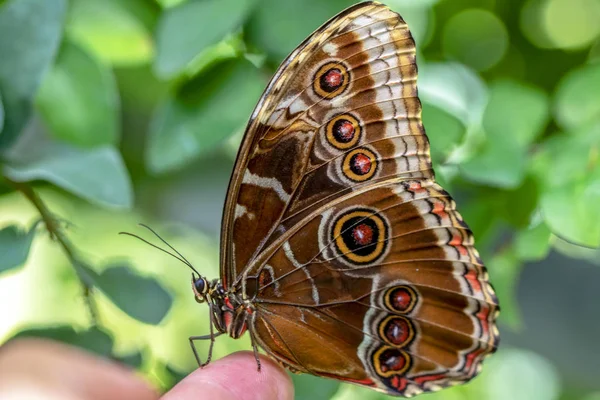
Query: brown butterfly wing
point(288, 161)
point(406, 308)
point(332, 218)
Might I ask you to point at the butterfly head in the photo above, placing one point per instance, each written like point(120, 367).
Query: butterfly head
point(204, 289)
point(200, 286)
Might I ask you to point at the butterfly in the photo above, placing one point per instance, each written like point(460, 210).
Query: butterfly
point(340, 254)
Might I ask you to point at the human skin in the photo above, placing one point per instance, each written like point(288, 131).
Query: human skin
point(43, 369)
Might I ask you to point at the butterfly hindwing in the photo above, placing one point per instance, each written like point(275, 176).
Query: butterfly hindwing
point(386, 275)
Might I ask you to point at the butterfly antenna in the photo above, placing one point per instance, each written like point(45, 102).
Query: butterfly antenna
point(165, 242)
point(182, 259)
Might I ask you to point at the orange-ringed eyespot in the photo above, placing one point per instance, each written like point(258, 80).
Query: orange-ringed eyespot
point(343, 131)
point(359, 164)
point(360, 236)
point(401, 299)
point(396, 331)
point(389, 361)
point(331, 80)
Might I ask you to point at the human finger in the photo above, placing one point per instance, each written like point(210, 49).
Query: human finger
point(235, 377)
point(44, 369)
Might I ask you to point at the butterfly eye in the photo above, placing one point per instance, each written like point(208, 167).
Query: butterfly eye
point(200, 288)
point(200, 285)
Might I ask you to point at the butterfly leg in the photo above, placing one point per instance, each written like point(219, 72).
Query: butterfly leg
point(191, 339)
point(255, 350)
point(212, 337)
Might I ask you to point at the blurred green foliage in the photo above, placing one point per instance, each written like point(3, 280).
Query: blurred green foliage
point(104, 99)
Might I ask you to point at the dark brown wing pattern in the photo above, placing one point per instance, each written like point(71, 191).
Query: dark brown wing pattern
point(366, 272)
point(301, 139)
point(405, 308)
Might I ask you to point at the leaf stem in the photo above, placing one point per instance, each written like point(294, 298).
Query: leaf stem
point(54, 228)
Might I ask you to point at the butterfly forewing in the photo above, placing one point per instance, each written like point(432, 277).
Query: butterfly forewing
point(357, 262)
point(305, 144)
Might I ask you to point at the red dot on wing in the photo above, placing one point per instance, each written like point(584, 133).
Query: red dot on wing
point(334, 78)
point(392, 360)
point(397, 331)
point(362, 234)
point(346, 130)
point(361, 164)
point(401, 299)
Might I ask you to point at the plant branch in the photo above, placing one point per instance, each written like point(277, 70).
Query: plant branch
point(54, 228)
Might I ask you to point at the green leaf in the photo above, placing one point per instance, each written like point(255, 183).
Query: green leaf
point(98, 175)
point(30, 32)
point(408, 3)
point(175, 375)
point(78, 100)
point(203, 113)
point(519, 205)
point(277, 27)
point(4, 188)
point(445, 132)
point(118, 32)
point(563, 159)
point(576, 252)
point(1, 114)
point(500, 163)
point(232, 46)
point(187, 29)
point(133, 360)
point(94, 339)
point(169, 3)
point(475, 37)
point(140, 297)
point(355, 392)
point(568, 168)
point(515, 115)
point(504, 269)
point(533, 244)
point(573, 211)
point(483, 223)
point(308, 387)
point(516, 110)
point(534, 376)
point(592, 396)
point(14, 246)
point(140, 90)
point(576, 101)
point(454, 88)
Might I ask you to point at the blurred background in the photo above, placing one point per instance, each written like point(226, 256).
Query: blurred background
point(114, 112)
